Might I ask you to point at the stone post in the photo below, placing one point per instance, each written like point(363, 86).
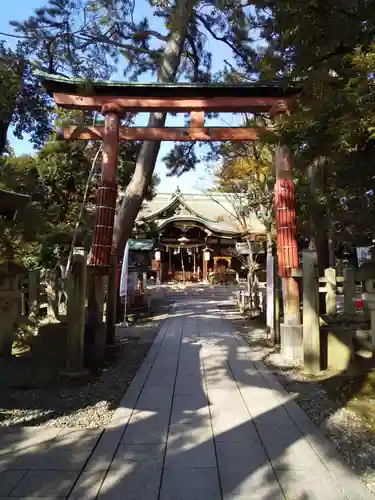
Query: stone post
point(311, 327)
point(349, 291)
point(158, 281)
point(331, 303)
point(366, 274)
point(144, 281)
point(161, 270)
point(96, 284)
point(169, 264)
point(34, 292)
point(277, 307)
point(273, 299)
point(204, 267)
point(77, 282)
point(111, 302)
point(10, 294)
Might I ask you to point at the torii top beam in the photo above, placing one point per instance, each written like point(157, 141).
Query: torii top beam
point(76, 93)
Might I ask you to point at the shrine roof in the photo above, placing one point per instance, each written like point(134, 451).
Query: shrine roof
point(68, 85)
point(215, 210)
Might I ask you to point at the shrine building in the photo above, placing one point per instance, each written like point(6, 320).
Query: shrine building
point(196, 237)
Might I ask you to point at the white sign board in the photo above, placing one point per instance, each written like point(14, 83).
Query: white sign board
point(363, 254)
point(270, 301)
point(124, 272)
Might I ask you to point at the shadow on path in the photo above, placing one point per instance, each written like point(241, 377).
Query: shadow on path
point(210, 423)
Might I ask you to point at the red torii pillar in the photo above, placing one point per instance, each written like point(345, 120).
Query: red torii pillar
point(287, 251)
point(107, 191)
point(103, 255)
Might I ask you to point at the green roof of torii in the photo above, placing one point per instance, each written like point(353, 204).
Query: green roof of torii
point(57, 83)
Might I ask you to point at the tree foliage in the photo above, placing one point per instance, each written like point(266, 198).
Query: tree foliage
point(325, 50)
point(55, 179)
point(91, 38)
point(23, 102)
point(246, 179)
point(248, 169)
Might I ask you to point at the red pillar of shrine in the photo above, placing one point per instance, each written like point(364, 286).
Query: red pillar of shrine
point(287, 251)
point(107, 192)
point(101, 263)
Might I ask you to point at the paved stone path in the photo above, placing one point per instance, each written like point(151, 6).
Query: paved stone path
point(202, 420)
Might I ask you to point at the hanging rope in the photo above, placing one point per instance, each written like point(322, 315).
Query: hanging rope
point(83, 204)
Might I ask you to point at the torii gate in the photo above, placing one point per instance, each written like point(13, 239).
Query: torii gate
point(114, 99)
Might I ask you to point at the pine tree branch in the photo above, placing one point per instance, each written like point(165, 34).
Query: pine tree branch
point(11, 35)
point(241, 76)
point(91, 39)
point(221, 38)
point(149, 33)
point(157, 35)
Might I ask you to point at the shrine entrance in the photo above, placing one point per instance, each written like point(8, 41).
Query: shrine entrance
point(189, 252)
point(114, 99)
point(182, 264)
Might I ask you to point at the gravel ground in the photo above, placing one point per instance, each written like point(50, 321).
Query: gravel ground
point(351, 434)
point(36, 395)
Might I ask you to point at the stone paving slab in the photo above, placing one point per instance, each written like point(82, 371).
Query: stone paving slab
point(202, 420)
point(53, 484)
point(190, 484)
point(40, 462)
point(9, 480)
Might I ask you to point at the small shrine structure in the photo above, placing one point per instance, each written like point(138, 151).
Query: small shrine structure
point(197, 236)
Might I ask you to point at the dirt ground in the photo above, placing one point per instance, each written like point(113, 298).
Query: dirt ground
point(35, 390)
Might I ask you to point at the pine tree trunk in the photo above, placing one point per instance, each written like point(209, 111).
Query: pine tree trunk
point(331, 241)
point(318, 222)
point(146, 160)
point(145, 164)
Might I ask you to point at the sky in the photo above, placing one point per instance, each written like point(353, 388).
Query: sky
point(189, 182)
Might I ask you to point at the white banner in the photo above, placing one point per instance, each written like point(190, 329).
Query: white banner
point(132, 283)
point(124, 272)
point(270, 301)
